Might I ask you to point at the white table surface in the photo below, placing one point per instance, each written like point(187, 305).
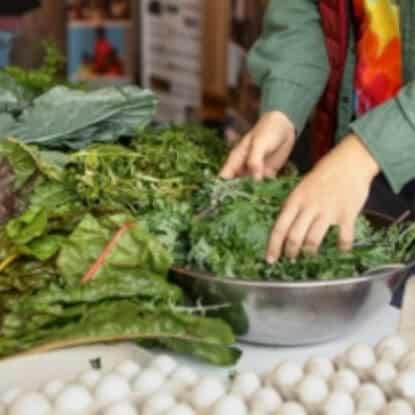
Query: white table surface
point(262, 359)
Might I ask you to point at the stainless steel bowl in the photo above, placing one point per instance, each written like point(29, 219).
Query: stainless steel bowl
point(294, 314)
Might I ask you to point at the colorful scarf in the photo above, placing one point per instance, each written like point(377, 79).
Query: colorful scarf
point(379, 63)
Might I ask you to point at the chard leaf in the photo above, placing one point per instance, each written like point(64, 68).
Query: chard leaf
point(127, 320)
point(28, 226)
point(134, 251)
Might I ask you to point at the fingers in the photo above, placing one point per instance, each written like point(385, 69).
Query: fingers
point(236, 162)
point(298, 233)
point(259, 151)
point(275, 162)
point(316, 235)
point(346, 235)
point(280, 231)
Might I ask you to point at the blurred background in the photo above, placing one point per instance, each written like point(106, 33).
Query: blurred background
point(190, 52)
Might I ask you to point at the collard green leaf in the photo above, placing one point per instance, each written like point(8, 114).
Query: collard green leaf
point(13, 97)
point(65, 118)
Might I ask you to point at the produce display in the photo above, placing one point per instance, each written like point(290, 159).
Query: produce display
point(97, 206)
point(362, 380)
point(76, 265)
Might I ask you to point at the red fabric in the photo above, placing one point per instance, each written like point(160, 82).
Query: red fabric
point(102, 51)
point(335, 24)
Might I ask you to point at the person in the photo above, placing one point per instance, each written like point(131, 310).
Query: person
point(11, 13)
point(349, 66)
point(102, 51)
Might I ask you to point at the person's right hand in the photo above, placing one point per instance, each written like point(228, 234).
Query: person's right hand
point(264, 151)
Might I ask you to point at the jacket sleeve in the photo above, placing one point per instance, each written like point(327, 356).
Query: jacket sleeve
point(389, 133)
point(289, 62)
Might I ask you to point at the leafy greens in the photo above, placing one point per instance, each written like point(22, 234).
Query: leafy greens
point(105, 276)
point(230, 234)
point(97, 207)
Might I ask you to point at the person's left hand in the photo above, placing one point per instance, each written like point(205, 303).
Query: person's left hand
point(333, 193)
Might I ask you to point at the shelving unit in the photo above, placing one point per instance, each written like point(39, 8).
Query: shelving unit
point(171, 56)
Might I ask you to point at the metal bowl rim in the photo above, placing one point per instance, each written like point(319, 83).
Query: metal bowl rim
point(286, 284)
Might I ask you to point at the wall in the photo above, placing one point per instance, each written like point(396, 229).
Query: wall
point(48, 22)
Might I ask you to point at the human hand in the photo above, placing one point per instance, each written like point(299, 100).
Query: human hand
point(264, 150)
point(333, 193)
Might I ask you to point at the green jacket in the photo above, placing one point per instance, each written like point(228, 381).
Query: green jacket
point(290, 64)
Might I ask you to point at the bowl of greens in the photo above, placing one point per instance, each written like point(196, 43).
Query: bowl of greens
point(293, 313)
point(311, 300)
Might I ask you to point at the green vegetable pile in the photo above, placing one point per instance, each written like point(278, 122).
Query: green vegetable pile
point(76, 265)
point(230, 235)
point(96, 207)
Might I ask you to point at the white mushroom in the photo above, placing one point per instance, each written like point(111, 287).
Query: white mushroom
point(291, 408)
point(147, 382)
point(180, 381)
point(405, 385)
point(31, 403)
point(398, 407)
point(157, 404)
point(361, 358)
point(165, 364)
point(338, 403)
point(175, 388)
point(111, 388)
point(266, 400)
point(8, 397)
point(285, 377)
point(205, 393)
point(120, 408)
point(319, 366)
point(185, 375)
point(312, 391)
point(180, 409)
point(52, 389)
point(391, 349)
point(90, 378)
point(383, 374)
point(340, 361)
point(369, 397)
point(245, 385)
point(345, 380)
point(407, 362)
point(229, 404)
point(128, 369)
point(73, 398)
